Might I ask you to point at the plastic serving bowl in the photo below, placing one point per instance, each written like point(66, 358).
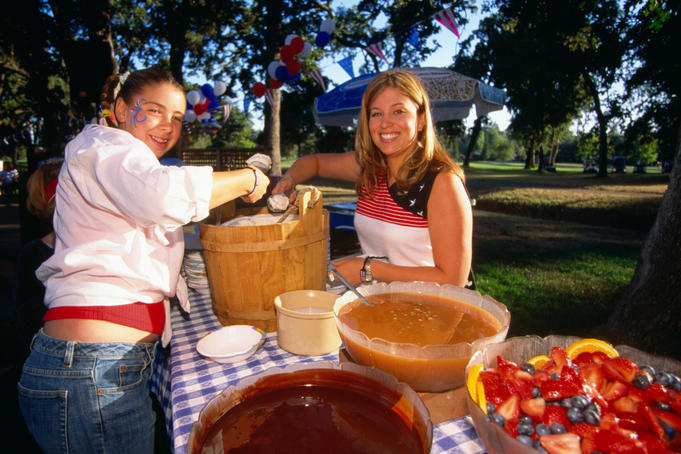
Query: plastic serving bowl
point(305, 322)
point(231, 344)
point(519, 350)
point(431, 368)
point(280, 410)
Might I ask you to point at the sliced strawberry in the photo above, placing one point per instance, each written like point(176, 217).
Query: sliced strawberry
point(587, 446)
point(558, 389)
point(658, 393)
point(496, 390)
point(567, 443)
point(639, 395)
point(675, 400)
point(633, 421)
point(652, 444)
point(671, 419)
point(613, 390)
point(646, 412)
point(620, 369)
point(560, 359)
point(609, 421)
point(521, 383)
point(584, 358)
point(540, 376)
point(593, 375)
point(511, 428)
point(624, 404)
point(510, 408)
point(506, 368)
point(584, 430)
point(617, 441)
point(555, 414)
point(600, 357)
point(533, 407)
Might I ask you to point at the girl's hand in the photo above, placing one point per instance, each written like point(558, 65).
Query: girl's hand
point(287, 186)
point(261, 181)
point(350, 268)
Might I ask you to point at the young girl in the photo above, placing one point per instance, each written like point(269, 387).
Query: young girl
point(118, 251)
point(413, 219)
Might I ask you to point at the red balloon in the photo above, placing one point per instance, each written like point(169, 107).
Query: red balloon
point(297, 44)
point(259, 89)
point(201, 108)
point(274, 83)
point(286, 54)
point(293, 67)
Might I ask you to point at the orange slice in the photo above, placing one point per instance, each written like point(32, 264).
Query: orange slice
point(591, 345)
point(472, 380)
point(482, 402)
point(539, 361)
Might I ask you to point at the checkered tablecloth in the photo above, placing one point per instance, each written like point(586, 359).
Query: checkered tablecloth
point(184, 381)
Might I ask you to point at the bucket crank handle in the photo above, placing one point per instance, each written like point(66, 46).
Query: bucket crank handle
point(332, 269)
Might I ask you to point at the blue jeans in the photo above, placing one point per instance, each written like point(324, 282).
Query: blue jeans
point(79, 397)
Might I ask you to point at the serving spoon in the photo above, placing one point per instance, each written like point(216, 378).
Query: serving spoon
point(332, 268)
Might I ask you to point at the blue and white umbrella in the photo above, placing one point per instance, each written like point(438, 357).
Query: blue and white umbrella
point(451, 97)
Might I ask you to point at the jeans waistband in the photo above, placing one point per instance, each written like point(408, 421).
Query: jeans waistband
point(59, 347)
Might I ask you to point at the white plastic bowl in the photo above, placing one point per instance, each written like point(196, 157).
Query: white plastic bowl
point(231, 344)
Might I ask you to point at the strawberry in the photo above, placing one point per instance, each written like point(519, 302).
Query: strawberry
point(613, 390)
point(510, 408)
point(600, 357)
point(620, 369)
point(567, 443)
point(496, 390)
point(658, 393)
point(558, 389)
point(675, 400)
point(624, 404)
point(646, 412)
point(560, 359)
point(521, 383)
point(584, 430)
point(555, 414)
point(639, 395)
point(633, 421)
point(652, 444)
point(584, 358)
point(533, 407)
point(540, 376)
point(587, 446)
point(617, 441)
point(593, 375)
point(671, 419)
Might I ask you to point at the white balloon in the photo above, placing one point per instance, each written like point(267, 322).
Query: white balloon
point(219, 88)
point(328, 26)
point(272, 68)
point(193, 97)
point(189, 116)
point(307, 50)
point(288, 39)
point(204, 116)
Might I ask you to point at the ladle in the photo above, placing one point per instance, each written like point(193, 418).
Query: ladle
point(362, 298)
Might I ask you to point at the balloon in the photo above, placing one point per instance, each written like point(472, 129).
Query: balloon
point(272, 68)
point(189, 116)
point(204, 116)
point(193, 97)
point(213, 105)
point(297, 44)
point(207, 90)
point(322, 39)
point(282, 73)
point(328, 26)
point(293, 67)
point(259, 89)
point(286, 54)
point(289, 38)
point(200, 109)
point(293, 79)
point(219, 88)
point(307, 50)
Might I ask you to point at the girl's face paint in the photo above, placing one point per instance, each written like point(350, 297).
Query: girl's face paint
point(156, 117)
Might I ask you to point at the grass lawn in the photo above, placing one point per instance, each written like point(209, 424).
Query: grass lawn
point(556, 248)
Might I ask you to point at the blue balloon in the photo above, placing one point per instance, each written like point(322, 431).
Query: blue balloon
point(213, 105)
point(322, 39)
point(281, 73)
point(207, 90)
point(293, 79)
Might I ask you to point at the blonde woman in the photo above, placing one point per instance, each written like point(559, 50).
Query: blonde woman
point(414, 218)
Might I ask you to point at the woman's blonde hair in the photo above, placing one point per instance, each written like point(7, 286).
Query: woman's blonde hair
point(37, 202)
point(427, 154)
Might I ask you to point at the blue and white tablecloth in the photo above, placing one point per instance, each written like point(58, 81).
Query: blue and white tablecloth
point(184, 381)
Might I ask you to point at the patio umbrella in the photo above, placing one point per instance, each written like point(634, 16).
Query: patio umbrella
point(451, 97)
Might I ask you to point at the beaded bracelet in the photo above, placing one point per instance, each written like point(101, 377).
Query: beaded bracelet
point(255, 186)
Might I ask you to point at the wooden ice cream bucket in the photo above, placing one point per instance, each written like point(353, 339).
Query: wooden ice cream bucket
point(249, 265)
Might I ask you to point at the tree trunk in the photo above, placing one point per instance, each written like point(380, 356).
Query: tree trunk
point(540, 166)
point(272, 131)
point(647, 315)
point(529, 159)
point(602, 128)
point(477, 126)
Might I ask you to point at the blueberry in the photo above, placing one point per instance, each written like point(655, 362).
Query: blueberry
point(490, 408)
point(663, 406)
point(566, 402)
point(539, 447)
point(668, 430)
point(557, 428)
point(542, 429)
point(575, 367)
point(525, 429)
point(554, 377)
point(676, 383)
point(524, 439)
point(663, 378)
point(575, 415)
point(648, 369)
point(497, 419)
point(524, 419)
point(592, 417)
point(595, 407)
point(529, 368)
point(641, 381)
point(580, 402)
point(536, 392)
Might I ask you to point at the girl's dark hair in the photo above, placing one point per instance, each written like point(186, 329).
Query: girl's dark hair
point(130, 87)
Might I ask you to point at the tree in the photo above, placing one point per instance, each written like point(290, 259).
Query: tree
point(647, 314)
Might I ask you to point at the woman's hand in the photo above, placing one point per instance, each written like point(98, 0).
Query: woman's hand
point(350, 268)
point(260, 184)
point(286, 185)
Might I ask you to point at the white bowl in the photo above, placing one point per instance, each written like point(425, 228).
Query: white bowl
point(231, 344)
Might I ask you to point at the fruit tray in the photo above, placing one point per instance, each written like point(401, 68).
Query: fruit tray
point(623, 405)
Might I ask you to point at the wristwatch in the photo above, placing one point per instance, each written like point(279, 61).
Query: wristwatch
point(365, 273)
